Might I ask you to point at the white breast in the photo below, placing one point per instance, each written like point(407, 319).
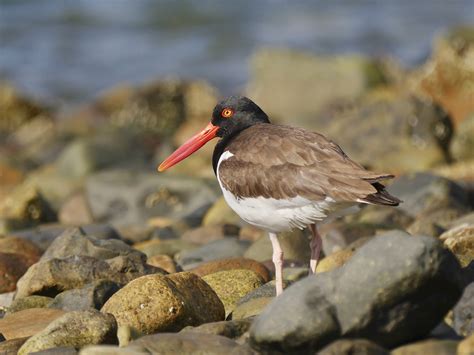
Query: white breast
point(277, 215)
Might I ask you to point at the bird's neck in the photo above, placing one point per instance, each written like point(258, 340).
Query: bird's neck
point(222, 145)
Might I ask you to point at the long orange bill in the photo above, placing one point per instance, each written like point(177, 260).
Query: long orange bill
point(190, 146)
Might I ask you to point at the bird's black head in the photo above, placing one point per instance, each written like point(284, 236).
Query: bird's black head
point(236, 113)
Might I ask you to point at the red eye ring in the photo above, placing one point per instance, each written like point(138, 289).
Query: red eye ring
point(227, 112)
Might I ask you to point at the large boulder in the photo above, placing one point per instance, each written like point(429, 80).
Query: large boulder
point(394, 289)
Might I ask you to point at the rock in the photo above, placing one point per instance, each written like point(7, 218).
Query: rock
point(91, 296)
point(295, 245)
point(419, 131)
point(438, 347)
point(29, 251)
point(205, 234)
point(163, 247)
point(60, 350)
point(423, 193)
point(218, 249)
point(448, 76)
point(251, 308)
point(51, 277)
point(25, 203)
point(157, 303)
point(465, 347)
point(334, 260)
point(125, 197)
point(163, 262)
point(27, 322)
point(6, 300)
point(460, 240)
point(290, 84)
point(188, 343)
point(74, 329)
point(12, 268)
point(348, 301)
point(251, 233)
point(462, 146)
point(458, 171)
point(232, 264)
point(220, 214)
point(231, 285)
point(44, 235)
point(75, 242)
point(16, 109)
point(352, 347)
point(75, 211)
point(463, 312)
point(11, 347)
point(110, 350)
point(29, 302)
point(232, 329)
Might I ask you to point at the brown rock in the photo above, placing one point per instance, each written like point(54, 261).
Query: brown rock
point(75, 211)
point(157, 303)
point(27, 322)
point(251, 233)
point(460, 240)
point(164, 262)
point(334, 260)
point(11, 347)
point(28, 250)
point(160, 247)
point(252, 307)
point(232, 264)
point(466, 346)
point(206, 234)
point(220, 213)
point(353, 346)
point(430, 346)
point(12, 268)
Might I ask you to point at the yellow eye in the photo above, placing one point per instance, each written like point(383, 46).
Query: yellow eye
point(227, 112)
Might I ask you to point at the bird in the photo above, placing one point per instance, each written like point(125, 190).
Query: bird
point(280, 177)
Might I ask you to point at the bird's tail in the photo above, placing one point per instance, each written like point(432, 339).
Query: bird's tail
point(381, 197)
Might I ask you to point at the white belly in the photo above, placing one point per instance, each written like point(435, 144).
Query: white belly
point(277, 215)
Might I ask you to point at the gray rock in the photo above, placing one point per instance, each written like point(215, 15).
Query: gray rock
point(124, 197)
point(232, 329)
point(353, 347)
point(75, 242)
point(394, 289)
point(218, 249)
point(463, 312)
point(44, 235)
point(74, 329)
point(423, 192)
point(51, 277)
point(91, 296)
point(189, 343)
point(60, 350)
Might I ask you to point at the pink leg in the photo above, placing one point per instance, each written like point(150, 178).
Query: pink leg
point(316, 245)
point(278, 262)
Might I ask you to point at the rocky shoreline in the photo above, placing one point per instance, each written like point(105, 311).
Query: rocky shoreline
point(99, 254)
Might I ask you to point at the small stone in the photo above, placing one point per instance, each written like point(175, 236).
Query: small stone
point(163, 247)
point(231, 285)
point(353, 347)
point(205, 234)
point(12, 268)
point(74, 329)
point(438, 347)
point(91, 296)
point(29, 302)
point(189, 343)
point(75, 212)
point(219, 214)
point(295, 245)
point(27, 322)
point(157, 303)
point(218, 249)
point(232, 329)
point(251, 308)
point(334, 260)
point(466, 346)
point(211, 267)
point(30, 252)
point(460, 240)
point(463, 312)
point(11, 347)
point(163, 262)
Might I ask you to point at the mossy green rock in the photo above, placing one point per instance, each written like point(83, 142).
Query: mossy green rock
point(75, 329)
point(29, 302)
point(231, 285)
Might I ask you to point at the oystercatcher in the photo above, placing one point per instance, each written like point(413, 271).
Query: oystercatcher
point(280, 177)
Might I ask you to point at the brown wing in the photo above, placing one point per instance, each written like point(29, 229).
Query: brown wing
point(284, 162)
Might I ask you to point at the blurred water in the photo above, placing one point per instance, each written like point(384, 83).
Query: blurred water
point(67, 51)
